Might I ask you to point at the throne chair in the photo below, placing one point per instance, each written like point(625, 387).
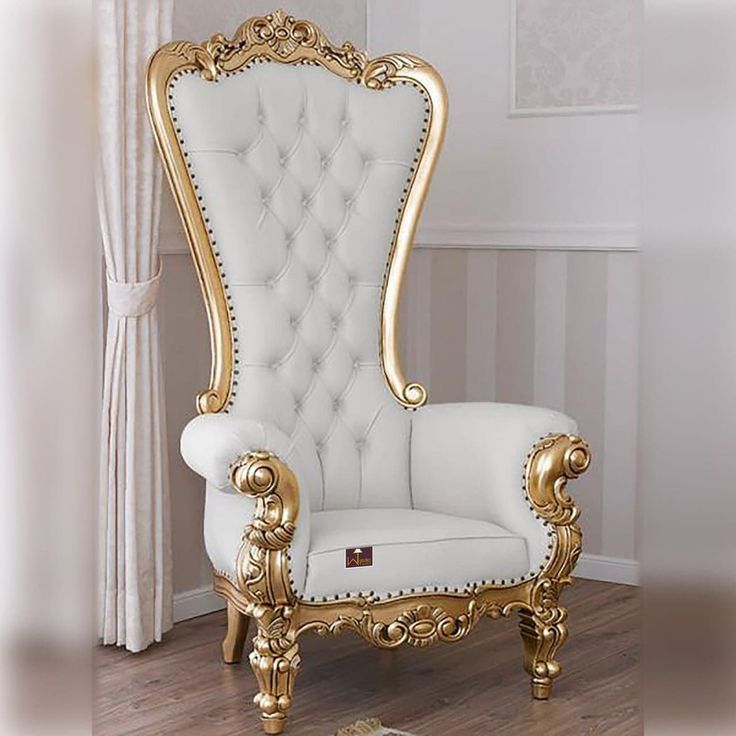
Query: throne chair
point(336, 498)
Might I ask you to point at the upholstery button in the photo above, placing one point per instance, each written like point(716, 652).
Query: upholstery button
point(282, 161)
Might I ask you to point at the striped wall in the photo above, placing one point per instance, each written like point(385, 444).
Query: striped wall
point(551, 328)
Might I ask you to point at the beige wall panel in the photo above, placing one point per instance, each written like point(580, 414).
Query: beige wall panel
point(621, 406)
point(550, 322)
point(448, 323)
point(516, 279)
point(480, 368)
point(186, 372)
point(587, 284)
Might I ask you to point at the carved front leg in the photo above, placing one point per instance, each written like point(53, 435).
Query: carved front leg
point(553, 461)
point(275, 661)
point(262, 571)
point(543, 631)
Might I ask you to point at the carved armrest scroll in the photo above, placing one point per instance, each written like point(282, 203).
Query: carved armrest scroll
point(553, 461)
point(262, 567)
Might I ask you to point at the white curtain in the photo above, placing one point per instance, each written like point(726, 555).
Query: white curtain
point(134, 565)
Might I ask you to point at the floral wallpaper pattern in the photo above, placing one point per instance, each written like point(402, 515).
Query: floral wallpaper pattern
point(576, 53)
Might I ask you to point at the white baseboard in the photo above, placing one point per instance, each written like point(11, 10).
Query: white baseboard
point(201, 601)
point(608, 569)
point(197, 602)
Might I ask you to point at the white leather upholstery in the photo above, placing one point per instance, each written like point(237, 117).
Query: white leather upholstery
point(209, 445)
point(411, 550)
point(301, 175)
point(468, 459)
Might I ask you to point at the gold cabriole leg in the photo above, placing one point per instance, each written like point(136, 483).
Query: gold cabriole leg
point(237, 631)
point(275, 661)
point(542, 635)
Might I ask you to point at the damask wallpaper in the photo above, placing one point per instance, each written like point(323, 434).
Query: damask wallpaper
point(572, 55)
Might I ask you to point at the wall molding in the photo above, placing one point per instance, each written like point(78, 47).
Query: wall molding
point(608, 569)
point(502, 236)
point(201, 601)
point(515, 236)
point(559, 111)
point(198, 602)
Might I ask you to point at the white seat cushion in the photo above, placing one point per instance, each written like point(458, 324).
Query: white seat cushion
point(411, 549)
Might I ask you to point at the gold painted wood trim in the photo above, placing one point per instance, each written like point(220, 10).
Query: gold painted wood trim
point(420, 618)
point(282, 38)
point(264, 590)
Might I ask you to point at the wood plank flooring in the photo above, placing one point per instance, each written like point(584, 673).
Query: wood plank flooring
point(476, 686)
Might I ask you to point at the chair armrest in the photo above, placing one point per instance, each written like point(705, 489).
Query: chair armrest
point(257, 462)
point(211, 443)
point(469, 460)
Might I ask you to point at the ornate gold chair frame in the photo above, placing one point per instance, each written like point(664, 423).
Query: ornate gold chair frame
point(263, 588)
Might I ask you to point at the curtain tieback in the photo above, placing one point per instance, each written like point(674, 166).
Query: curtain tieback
point(132, 298)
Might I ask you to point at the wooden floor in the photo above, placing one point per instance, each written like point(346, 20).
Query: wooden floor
point(476, 686)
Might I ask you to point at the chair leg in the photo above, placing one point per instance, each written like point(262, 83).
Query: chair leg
point(542, 635)
point(275, 661)
point(237, 630)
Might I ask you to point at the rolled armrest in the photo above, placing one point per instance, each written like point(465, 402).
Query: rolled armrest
point(211, 443)
point(468, 460)
point(232, 454)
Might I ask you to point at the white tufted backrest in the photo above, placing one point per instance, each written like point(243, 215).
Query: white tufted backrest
point(300, 175)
